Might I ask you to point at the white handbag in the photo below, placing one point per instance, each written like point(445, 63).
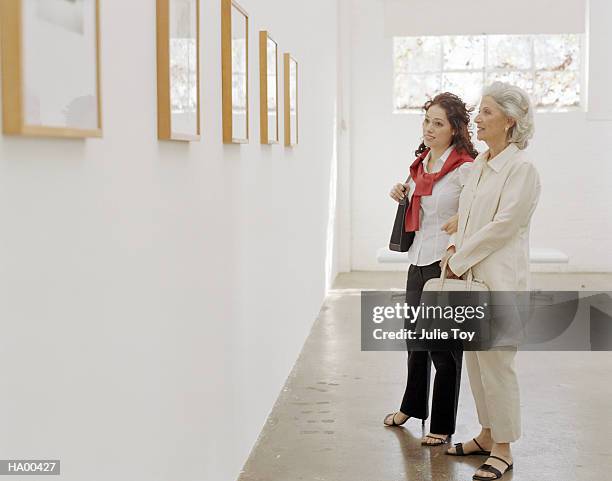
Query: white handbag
point(459, 292)
point(442, 284)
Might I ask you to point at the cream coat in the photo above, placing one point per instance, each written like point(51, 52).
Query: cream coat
point(495, 209)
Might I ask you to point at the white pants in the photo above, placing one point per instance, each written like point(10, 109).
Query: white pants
point(496, 392)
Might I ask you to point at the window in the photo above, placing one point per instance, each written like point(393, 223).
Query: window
point(548, 67)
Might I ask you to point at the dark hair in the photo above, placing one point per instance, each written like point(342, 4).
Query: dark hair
point(458, 114)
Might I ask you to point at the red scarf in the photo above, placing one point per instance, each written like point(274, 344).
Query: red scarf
point(424, 183)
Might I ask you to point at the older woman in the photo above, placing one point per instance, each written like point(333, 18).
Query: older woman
point(495, 209)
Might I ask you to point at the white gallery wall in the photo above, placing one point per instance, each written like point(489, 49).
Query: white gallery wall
point(154, 295)
point(569, 149)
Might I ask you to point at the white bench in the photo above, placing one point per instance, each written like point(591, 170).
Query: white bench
point(536, 256)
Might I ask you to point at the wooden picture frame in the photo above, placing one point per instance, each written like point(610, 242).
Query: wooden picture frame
point(178, 70)
point(291, 100)
point(235, 72)
point(51, 68)
point(268, 88)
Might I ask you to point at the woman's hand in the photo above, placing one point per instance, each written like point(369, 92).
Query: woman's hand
point(450, 274)
point(399, 191)
point(444, 262)
point(450, 227)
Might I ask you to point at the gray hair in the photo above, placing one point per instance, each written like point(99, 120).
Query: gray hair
point(515, 103)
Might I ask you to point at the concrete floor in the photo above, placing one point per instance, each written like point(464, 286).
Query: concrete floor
point(327, 421)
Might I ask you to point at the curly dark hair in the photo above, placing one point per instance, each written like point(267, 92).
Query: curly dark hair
point(458, 114)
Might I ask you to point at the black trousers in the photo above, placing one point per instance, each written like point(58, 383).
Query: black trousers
point(447, 363)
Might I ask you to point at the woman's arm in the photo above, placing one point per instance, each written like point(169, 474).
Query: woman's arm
point(464, 171)
point(463, 174)
point(517, 202)
point(450, 226)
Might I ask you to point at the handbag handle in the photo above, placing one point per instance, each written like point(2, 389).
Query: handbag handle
point(404, 201)
point(468, 280)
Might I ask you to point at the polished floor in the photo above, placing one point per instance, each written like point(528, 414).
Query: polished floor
point(327, 422)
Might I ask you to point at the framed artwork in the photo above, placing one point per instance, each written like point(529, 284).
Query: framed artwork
point(291, 100)
point(51, 67)
point(268, 88)
point(178, 69)
point(235, 72)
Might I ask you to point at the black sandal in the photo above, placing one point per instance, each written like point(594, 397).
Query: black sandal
point(493, 470)
point(439, 443)
point(393, 423)
point(459, 451)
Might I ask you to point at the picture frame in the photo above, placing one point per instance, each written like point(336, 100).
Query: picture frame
point(268, 88)
point(178, 70)
point(51, 68)
point(235, 72)
point(291, 100)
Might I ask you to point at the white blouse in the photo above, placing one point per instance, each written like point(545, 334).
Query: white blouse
point(430, 241)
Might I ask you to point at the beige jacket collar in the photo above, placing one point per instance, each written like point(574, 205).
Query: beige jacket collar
point(502, 158)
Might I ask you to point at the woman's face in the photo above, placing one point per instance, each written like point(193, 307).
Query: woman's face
point(491, 122)
point(437, 130)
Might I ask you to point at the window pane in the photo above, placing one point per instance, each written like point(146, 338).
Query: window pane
point(523, 80)
point(412, 91)
point(509, 52)
point(463, 52)
point(557, 52)
point(417, 54)
point(557, 89)
point(466, 85)
point(548, 67)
